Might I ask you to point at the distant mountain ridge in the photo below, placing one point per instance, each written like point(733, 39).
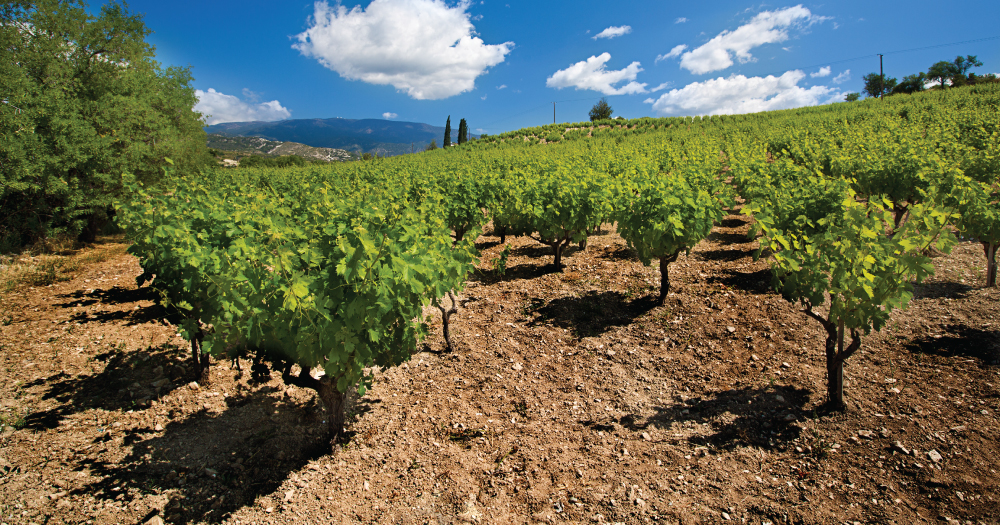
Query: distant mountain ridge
point(239, 146)
point(359, 135)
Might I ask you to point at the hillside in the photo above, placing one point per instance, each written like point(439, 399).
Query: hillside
point(365, 135)
point(570, 398)
point(274, 148)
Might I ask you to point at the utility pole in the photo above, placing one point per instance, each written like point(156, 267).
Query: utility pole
point(881, 84)
point(553, 112)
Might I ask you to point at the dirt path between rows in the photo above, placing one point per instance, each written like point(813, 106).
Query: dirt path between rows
point(571, 397)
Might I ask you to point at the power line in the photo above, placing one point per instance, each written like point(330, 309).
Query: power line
point(873, 55)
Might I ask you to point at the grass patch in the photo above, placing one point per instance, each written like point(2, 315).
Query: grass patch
point(54, 262)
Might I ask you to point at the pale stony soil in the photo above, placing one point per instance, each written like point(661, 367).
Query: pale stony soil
point(570, 397)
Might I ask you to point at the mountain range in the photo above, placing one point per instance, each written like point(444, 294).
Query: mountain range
point(385, 137)
point(235, 147)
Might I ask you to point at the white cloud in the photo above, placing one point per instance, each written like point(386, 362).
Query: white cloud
point(219, 107)
point(482, 97)
point(823, 72)
point(388, 115)
point(843, 77)
point(591, 74)
point(613, 31)
point(674, 52)
point(502, 86)
point(680, 20)
point(421, 47)
point(767, 27)
point(739, 94)
point(661, 87)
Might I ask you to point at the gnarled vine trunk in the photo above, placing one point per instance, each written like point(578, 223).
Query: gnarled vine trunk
point(446, 319)
point(991, 263)
point(200, 360)
point(326, 389)
point(665, 276)
point(836, 354)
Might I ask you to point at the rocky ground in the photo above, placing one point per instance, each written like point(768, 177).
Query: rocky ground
point(569, 397)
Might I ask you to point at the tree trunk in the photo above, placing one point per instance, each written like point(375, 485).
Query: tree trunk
point(335, 403)
point(835, 372)
point(326, 389)
point(503, 234)
point(991, 263)
point(200, 360)
point(446, 319)
point(665, 276)
point(836, 355)
point(559, 246)
point(835, 383)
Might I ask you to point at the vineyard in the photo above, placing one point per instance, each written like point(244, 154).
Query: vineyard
point(480, 334)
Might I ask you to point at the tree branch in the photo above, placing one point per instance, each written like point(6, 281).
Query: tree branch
point(303, 380)
point(853, 347)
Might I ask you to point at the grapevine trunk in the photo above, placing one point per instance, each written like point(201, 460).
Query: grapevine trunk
point(665, 276)
point(334, 401)
point(836, 355)
point(200, 360)
point(446, 319)
point(326, 389)
point(991, 263)
point(835, 383)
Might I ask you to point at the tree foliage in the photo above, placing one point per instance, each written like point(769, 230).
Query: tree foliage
point(83, 102)
point(601, 111)
point(447, 133)
point(877, 85)
point(463, 132)
point(911, 84)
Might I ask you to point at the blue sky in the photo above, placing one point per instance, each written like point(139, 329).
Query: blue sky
point(501, 64)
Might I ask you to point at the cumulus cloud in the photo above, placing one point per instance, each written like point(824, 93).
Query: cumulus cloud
point(661, 87)
point(767, 27)
point(680, 20)
point(502, 86)
point(613, 31)
point(591, 74)
point(388, 115)
point(219, 107)
point(739, 94)
point(823, 72)
point(674, 52)
point(843, 77)
point(421, 47)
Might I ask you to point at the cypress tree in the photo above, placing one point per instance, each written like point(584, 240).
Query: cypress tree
point(447, 132)
point(463, 132)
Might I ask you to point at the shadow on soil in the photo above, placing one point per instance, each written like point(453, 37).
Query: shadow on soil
point(215, 463)
point(619, 253)
point(515, 273)
point(724, 255)
point(758, 282)
point(128, 381)
point(758, 417)
point(729, 238)
point(962, 341)
point(733, 223)
point(592, 313)
point(117, 295)
point(941, 289)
